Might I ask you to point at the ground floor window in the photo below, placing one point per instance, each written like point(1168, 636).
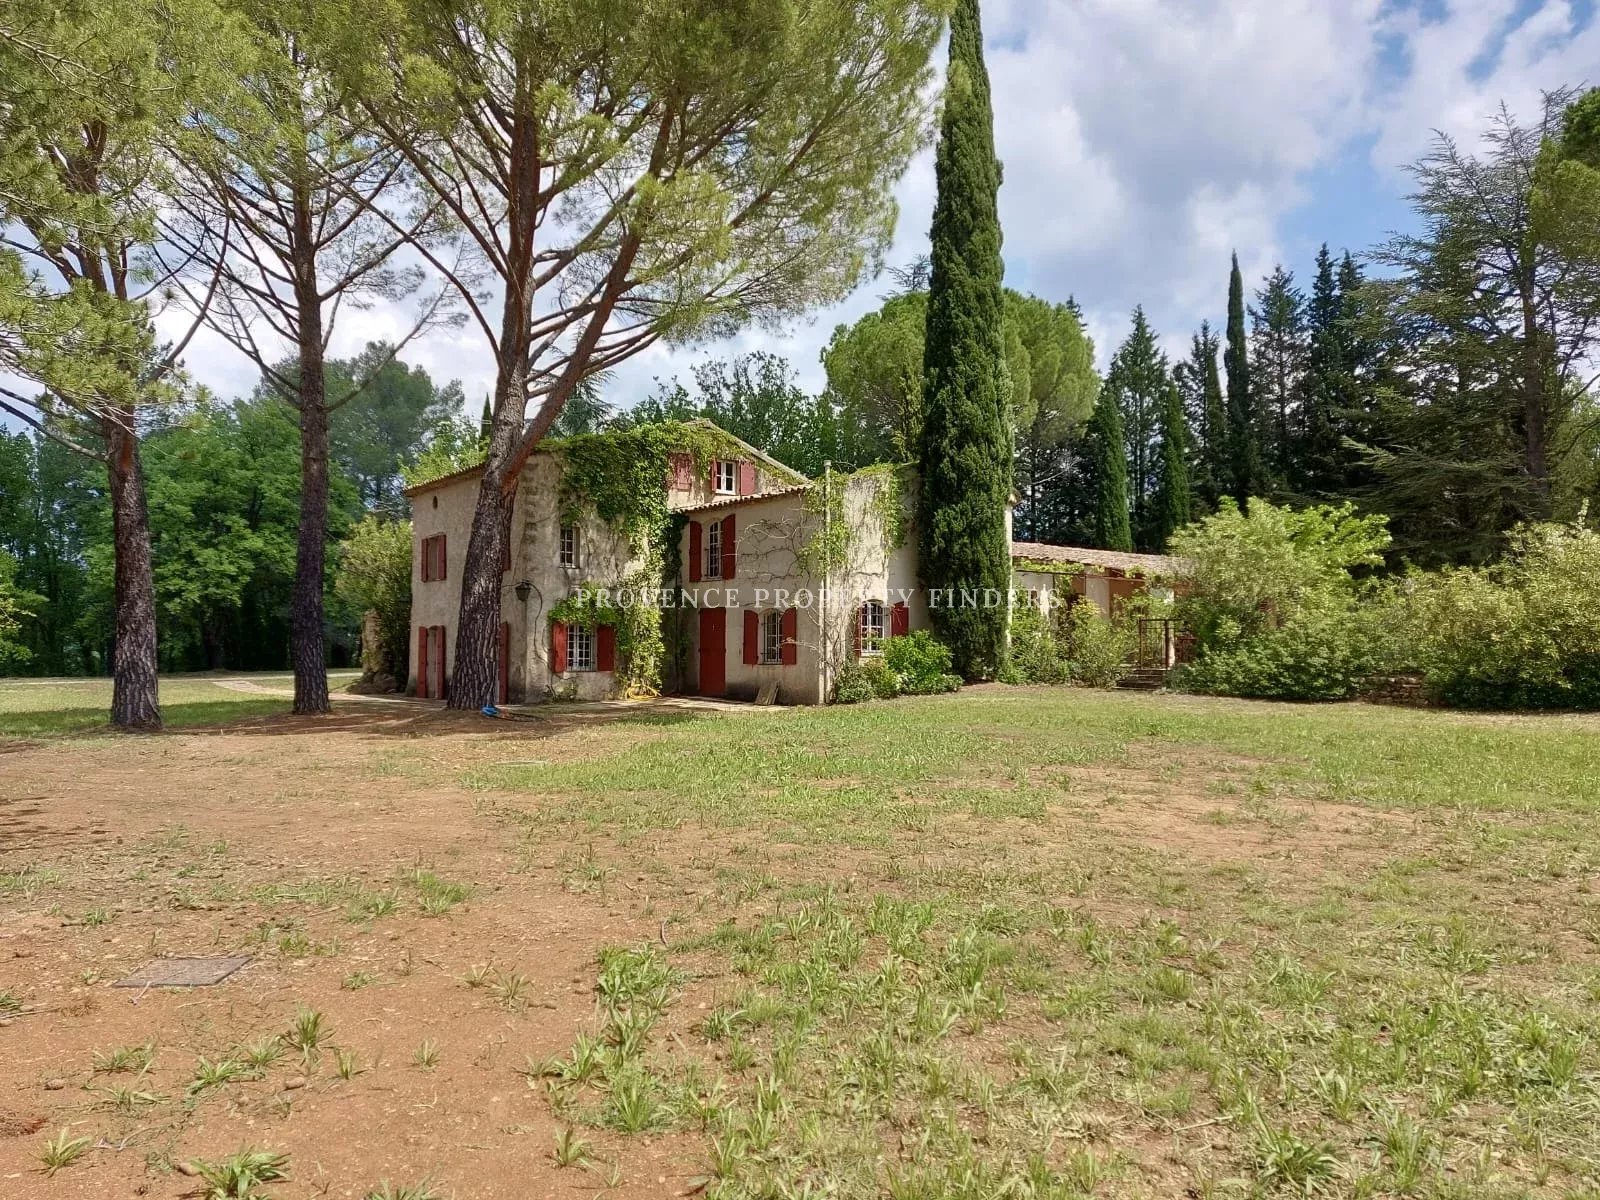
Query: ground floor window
point(771, 639)
point(872, 630)
point(580, 648)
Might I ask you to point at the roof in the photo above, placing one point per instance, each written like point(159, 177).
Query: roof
point(1145, 564)
point(731, 501)
point(766, 459)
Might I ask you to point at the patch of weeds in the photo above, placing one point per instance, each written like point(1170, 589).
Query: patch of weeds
point(370, 906)
point(10, 1002)
point(307, 1032)
point(241, 1174)
point(426, 1055)
point(435, 896)
point(1283, 1159)
point(510, 988)
point(262, 1052)
point(570, 1150)
point(128, 1100)
point(95, 918)
point(396, 1191)
point(357, 980)
point(62, 1151)
point(214, 1073)
point(122, 1060)
point(345, 1063)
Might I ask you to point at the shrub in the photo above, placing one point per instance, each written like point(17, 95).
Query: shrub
point(1272, 601)
point(1522, 633)
point(1037, 655)
point(374, 575)
point(913, 665)
point(919, 664)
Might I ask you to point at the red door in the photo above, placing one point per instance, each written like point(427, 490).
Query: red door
point(436, 664)
point(713, 651)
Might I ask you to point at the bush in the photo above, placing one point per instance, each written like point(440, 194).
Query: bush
point(914, 665)
point(1274, 606)
point(1037, 655)
point(1522, 633)
point(919, 664)
point(1315, 655)
point(1099, 651)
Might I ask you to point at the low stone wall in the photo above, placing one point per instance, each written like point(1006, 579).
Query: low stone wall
point(1407, 690)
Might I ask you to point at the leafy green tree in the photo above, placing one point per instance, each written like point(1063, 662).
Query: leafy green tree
point(1057, 393)
point(16, 607)
point(1320, 467)
point(385, 420)
point(586, 411)
point(755, 397)
point(635, 172)
point(875, 382)
point(282, 181)
point(374, 575)
point(1106, 477)
point(85, 91)
point(966, 447)
point(1138, 382)
point(1487, 319)
point(1278, 350)
point(1172, 506)
point(455, 443)
point(1201, 387)
point(1244, 446)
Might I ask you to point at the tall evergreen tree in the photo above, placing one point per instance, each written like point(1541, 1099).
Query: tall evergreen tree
point(966, 426)
point(1106, 477)
point(1317, 458)
point(1138, 381)
point(1200, 384)
point(1244, 451)
point(1278, 347)
point(1172, 506)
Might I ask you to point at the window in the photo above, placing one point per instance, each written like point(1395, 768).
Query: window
point(569, 546)
point(871, 631)
point(714, 550)
point(580, 648)
point(771, 639)
point(433, 558)
point(725, 477)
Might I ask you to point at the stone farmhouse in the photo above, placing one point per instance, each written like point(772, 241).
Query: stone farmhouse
point(725, 574)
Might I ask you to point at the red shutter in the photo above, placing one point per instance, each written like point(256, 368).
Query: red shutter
point(503, 661)
point(422, 653)
point(427, 560)
point(727, 547)
point(443, 572)
point(747, 478)
point(791, 636)
point(752, 638)
point(682, 472)
point(696, 551)
point(558, 647)
point(711, 477)
point(855, 631)
point(605, 648)
point(441, 682)
point(899, 620)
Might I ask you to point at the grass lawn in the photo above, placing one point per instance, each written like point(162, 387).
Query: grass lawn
point(39, 707)
point(1031, 943)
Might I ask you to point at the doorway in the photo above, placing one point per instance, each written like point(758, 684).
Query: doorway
point(713, 651)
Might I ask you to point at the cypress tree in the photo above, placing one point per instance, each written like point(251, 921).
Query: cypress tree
point(1244, 450)
point(1318, 458)
point(1106, 477)
point(1173, 505)
point(1138, 381)
point(966, 430)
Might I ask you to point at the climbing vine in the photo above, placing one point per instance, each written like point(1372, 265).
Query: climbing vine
point(828, 549)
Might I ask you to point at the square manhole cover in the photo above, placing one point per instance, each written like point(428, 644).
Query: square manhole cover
point(184, 972)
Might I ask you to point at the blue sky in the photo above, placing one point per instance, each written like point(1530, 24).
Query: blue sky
point(1145, 139)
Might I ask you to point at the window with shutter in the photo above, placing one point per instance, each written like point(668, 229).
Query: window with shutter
point(772, 638)
point(605, 648)
point(870, 634)
point(899, 620)
point(714, 559)
point(696, 551)
point(725, 477)
point(558, 647)
point(747, 478)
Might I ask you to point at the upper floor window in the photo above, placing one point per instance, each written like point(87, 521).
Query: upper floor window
point(872, 628)
point(725, 477)
point(771, 638)
point(568, 554)
point(580, 648)
point(433, 558)
point(714, 550)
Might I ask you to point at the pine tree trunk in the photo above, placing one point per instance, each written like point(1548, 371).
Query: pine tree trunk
point(307, 650)
point(135, 696)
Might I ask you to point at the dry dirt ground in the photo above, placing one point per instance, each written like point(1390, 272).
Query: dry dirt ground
point(258, 840)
